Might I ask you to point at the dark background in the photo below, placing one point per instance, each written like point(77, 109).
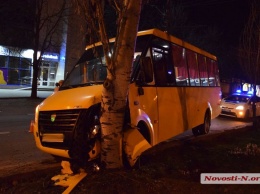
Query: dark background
point(229, 18)
point(213, 25)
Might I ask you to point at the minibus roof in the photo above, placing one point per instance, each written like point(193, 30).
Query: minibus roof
point(165, 36)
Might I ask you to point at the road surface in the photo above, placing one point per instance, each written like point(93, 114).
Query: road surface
point(18, 150)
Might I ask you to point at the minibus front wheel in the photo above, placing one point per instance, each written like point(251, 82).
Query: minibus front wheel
point(86, 133)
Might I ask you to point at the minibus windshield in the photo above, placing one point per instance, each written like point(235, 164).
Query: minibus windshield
point(91, 67)
point(89, 70)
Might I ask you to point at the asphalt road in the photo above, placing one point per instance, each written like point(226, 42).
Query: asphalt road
point(18, 151)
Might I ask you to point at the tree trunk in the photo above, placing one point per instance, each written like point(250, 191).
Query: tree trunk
point(35, 76)
point(114, 94)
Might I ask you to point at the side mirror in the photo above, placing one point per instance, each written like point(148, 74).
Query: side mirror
point(146, 71)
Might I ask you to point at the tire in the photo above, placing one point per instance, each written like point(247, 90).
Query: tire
point(78, 151)
point(196, 131)
point(82, 142)
point(203, 128)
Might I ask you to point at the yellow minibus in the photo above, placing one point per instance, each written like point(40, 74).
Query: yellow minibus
point(174, 87)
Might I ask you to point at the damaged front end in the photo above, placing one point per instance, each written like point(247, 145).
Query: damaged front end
point(75, 135)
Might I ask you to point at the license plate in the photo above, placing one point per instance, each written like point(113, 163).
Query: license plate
point(53, 137)
point(226, 110)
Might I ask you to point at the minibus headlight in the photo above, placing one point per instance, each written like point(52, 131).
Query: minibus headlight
point(94, 131)
point(240, 107)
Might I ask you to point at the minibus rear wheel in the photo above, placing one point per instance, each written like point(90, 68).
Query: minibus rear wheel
point(196, 131)
point(203, 128)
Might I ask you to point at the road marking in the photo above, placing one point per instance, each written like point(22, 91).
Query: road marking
point(4, 133)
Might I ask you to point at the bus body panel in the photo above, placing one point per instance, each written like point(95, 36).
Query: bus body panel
point(183, 108)
point(75, 98)
point(135, 145)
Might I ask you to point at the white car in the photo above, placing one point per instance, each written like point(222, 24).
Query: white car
point(239, 105)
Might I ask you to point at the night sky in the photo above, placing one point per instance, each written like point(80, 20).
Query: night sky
point(229, 17)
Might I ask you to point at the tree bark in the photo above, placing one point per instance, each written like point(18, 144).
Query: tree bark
point(114, 94)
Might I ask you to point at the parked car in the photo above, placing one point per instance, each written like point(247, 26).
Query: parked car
point(27, 80)
point(239, 105)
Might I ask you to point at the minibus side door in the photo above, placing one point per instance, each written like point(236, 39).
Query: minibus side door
point(143, 101)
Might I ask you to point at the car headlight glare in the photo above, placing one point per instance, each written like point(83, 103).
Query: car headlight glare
point(240, 107)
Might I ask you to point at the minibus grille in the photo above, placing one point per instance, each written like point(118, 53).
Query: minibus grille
point(58, 121)
point(61, 122)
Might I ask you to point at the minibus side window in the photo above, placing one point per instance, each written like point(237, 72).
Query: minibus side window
point(193, 67)
point(204, 77)
point(164, 71)
point(180, 65)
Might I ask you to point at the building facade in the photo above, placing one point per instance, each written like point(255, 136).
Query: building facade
point(70, 42)
point(16, 67)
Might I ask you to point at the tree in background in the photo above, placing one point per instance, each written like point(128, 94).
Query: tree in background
point(249, 51)
point(49, 16)
point(166, 15)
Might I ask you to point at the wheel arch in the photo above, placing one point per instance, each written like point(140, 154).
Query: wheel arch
point(144, 130)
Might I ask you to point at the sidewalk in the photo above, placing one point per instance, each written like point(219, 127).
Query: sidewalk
point(43, 92)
